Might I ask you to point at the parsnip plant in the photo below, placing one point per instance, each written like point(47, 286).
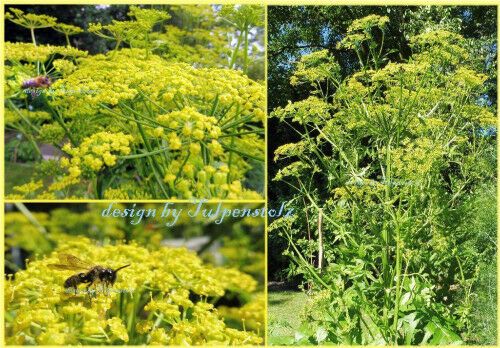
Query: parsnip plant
point(166, 297)
point(387, 160)
point(137, 121)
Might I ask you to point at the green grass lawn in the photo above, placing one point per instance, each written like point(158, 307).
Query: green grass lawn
point(17, 174)
point(284, 308)
point(484, 309)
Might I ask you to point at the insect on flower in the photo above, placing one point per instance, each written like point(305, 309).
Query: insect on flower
point(37, 82)
point(93, 273)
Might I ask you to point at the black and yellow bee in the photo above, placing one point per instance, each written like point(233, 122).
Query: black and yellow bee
point(91, 274)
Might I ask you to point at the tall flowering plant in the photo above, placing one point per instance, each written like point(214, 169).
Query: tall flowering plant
point(132, 122)
point(386, 168)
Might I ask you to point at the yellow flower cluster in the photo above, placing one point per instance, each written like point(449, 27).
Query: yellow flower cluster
point(30, 20)
point(416, 159)
point(440, 47)
point(126, 191)
point(27, 52)
point(315, 68)
point(116, 78)
point(290, 150)
point(28, 237)
point(63, 66)
point(208, 50)
point(67, 29)
point(164, 297)
point(197, 132)
point(189, 175)
point(192, 124)
point(95, 152)
point(361, 30)
point(368, 22)
point(310, 110)
point(251, 315)
point(12, 116)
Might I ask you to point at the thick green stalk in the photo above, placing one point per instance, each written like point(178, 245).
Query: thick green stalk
point(118, 43)
point(235, 52)
point(32, 30)
point(399, 265)
point(245, 53)
point(386, 237)
point(306, 264)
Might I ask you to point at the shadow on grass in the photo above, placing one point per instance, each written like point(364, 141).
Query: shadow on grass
point(276, 302)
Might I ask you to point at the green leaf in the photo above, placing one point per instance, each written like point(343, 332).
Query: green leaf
point(321, 335)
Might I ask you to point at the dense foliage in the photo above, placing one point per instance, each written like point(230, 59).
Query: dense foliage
point(169, 112)
point(387, 170)
point(297, 30)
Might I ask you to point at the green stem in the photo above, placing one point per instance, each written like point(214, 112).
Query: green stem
point(31, 218)
point(146, 154)
point(59, 120)
point(34, 144)
point(157, 170)
point(32, 30)
point(386, 236)
point(306, 264)
point(360, 59)
point(235, 51)
point(118, 43)
point(230, 161)
point(155, 123)
point(148, 146)
point(155, 325)
point(399, 266)
point(126, 117)
point(237, 122)
point(152, 102)
point(16, 109)
point(245, 53)
point(182, 166)
point(241, 133)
